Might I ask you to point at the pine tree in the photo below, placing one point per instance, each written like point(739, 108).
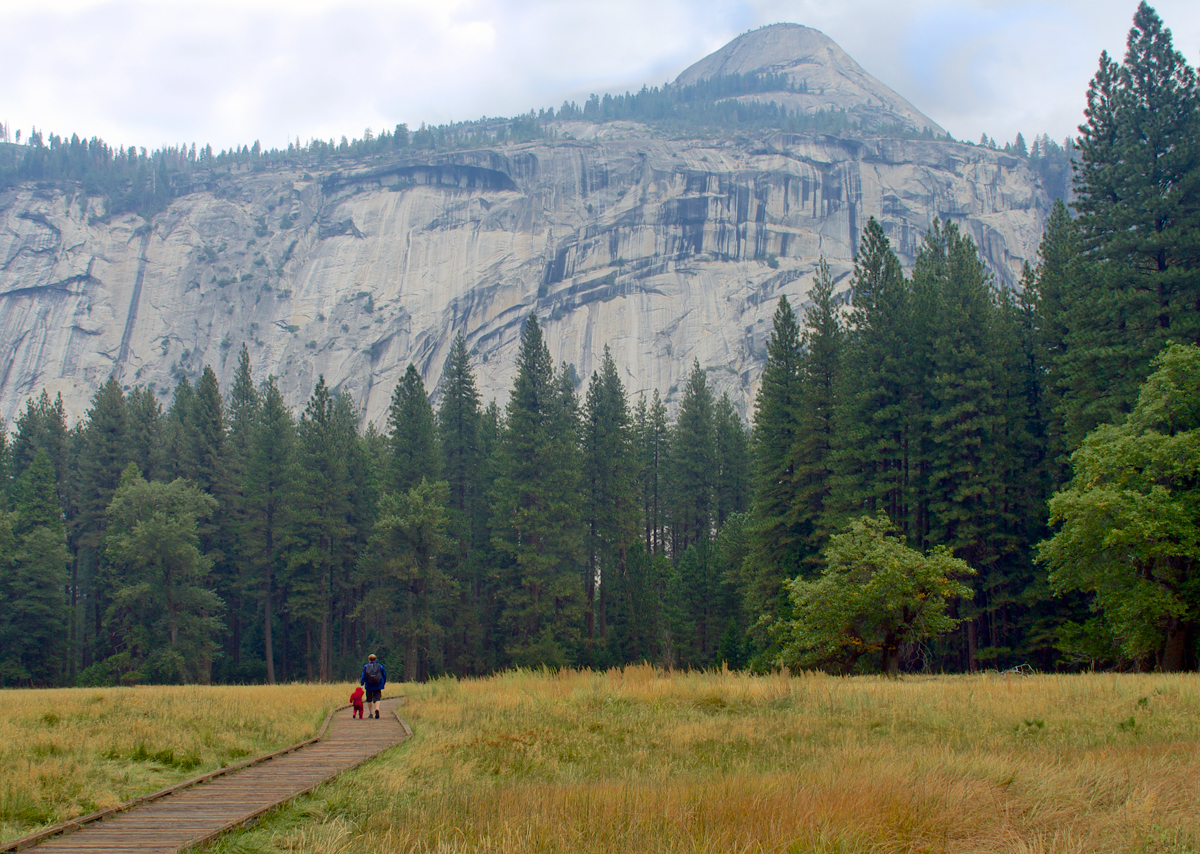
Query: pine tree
point(145, 432)
point(1056, 298)
point(877, 454)
point(610, 509)
point(319, 519)
point(179, 449)
point(653, 448)
point(42, 427)
point(166, 617)
point(460, 430)
point(35, 619)
point(268, 482)
point(811, 455)
point(409, 540)
point(1138, 198)
point(535, 512)
point(693, 465)
point(412, 440)
point(731, 492)
point(776, 534)
point(104, 451)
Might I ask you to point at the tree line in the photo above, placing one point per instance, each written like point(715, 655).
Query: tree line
point(226, 538)
point(953, 411)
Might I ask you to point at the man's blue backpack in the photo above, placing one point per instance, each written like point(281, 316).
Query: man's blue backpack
point(374, 674)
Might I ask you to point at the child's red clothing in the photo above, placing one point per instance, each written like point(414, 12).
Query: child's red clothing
point(356, 700)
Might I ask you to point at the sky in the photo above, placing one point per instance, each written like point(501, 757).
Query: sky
point(229, 72)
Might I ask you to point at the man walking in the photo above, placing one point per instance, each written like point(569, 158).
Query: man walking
point(373, 678)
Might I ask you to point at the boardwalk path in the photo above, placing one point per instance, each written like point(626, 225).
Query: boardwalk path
point(202, 812)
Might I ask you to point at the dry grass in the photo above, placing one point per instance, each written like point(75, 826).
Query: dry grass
point(636, 760)
point(65, 753)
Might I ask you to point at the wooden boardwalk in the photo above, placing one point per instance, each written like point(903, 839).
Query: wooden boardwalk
point(198, 813)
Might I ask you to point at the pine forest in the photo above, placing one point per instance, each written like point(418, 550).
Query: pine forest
point(941, 474)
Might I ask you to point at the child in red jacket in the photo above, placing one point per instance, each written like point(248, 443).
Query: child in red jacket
point(356, 700)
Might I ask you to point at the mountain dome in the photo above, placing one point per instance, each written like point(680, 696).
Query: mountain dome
point(824, 76)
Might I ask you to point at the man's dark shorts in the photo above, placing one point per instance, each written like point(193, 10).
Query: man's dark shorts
point(373, 695)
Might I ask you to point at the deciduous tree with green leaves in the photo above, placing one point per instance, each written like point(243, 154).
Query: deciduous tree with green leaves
point(1130, 519)
point(875, 596)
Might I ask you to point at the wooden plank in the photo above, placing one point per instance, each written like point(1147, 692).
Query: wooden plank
point(202, 808)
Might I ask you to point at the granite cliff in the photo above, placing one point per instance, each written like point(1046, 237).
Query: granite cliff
point(663, 249)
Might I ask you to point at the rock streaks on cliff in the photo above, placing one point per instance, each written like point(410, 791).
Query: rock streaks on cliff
point(664, 250)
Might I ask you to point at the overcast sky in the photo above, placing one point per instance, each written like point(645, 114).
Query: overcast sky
point(226, 73)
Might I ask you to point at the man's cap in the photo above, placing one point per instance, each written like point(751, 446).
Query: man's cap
point(371, 657)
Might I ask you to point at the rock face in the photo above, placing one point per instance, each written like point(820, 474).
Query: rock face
point(664, 250)
point(829, 79)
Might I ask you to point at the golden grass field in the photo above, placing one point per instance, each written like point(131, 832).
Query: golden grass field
point(68, 752)
point(639, 760)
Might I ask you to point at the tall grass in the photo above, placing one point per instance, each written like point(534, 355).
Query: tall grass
point(68, 752)
point(638, 760)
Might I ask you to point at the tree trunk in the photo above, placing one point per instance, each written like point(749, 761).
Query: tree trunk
point(891, 660)
point(1178, 652)
point(268, 645)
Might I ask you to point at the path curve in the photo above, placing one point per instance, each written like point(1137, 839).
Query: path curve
point(202, 809)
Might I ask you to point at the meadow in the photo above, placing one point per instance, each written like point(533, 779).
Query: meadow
point(641, 760)
point(68, 752)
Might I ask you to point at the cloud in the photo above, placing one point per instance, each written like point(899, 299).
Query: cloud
point(149, 73)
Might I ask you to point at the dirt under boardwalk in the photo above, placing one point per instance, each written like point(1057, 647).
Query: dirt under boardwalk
point(203, 811)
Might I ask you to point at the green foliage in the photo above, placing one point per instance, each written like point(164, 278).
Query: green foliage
point(875, 596)
point(1130, 519)
point(412, 439)
point(162, 610)
point(535, 512)
point(1138, 198)
point(405, 551)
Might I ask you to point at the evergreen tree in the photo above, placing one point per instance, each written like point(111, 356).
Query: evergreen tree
point(1138, 197)
point(811, 454)
point(104, 451)
point(458, 430)
point(179, 449)
point(268, 481)
point(406, 548)
point(145, 433)
point(877, 454)
point(35, 618)
point(653, 448)
point(776, 534)
point(693, 465)
point(1055, 294)
point(611, 507)
point(731, 492)
point(166, 617)
point(535, 510)
point(42, 427)
point(459, 422)
point(412, 440)
point(320, 523)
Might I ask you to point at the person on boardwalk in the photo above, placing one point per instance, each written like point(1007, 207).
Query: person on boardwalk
point(373, 678)
point(356, 701)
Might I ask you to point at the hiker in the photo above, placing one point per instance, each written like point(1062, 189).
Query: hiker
point(373, 678)
point(356, 701)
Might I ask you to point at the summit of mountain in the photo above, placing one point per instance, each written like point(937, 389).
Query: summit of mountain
point(822, 76)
